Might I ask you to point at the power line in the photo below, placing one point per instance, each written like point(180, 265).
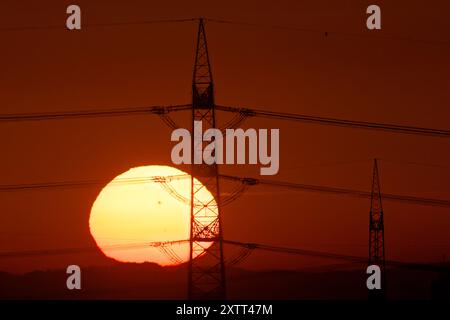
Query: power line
point(246, 112)
point(87, 183)
point(247, 181)
point(247, 245)
point(327, 33)
point(249, 112)
point(95, 25)
point(115, 112)
point(324, 32)
point(336, 256)
point(341, 191)
point(65, 251)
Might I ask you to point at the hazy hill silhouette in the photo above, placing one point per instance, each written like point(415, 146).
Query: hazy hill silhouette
point(149, 281)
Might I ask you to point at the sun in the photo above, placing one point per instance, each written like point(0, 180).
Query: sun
point(135, 209)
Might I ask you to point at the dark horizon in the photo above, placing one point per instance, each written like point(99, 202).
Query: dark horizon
point(149, 281)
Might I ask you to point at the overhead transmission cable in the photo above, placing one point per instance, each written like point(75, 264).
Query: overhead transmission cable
point(340, 191)
point(165, 248)
point(112, 112)
point(324, 32)
point(327, 33)
point(65, 251)
point(246, 181)
point(250, 112)
point(243, 113)
point(335, 256)
point(95, 25)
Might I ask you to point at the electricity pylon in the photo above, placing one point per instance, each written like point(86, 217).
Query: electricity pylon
point(376, 234)
point(206, 263)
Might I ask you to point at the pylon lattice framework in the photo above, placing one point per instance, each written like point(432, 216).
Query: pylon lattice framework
point(376, 233)
point(206, 279)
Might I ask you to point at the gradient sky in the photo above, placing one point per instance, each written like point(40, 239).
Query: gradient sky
point(352, 77)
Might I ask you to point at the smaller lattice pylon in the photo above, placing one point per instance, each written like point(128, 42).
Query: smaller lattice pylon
point(376, 234)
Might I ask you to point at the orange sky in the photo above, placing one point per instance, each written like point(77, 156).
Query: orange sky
point(359, 78)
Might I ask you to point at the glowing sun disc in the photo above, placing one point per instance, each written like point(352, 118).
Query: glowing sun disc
point(134, 209)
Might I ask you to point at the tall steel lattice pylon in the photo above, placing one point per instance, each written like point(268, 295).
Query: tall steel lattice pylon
point(206, 262)
point(376, 234)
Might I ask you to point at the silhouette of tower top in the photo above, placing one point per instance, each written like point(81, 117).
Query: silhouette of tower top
point(202, 78)
point(376, 207)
